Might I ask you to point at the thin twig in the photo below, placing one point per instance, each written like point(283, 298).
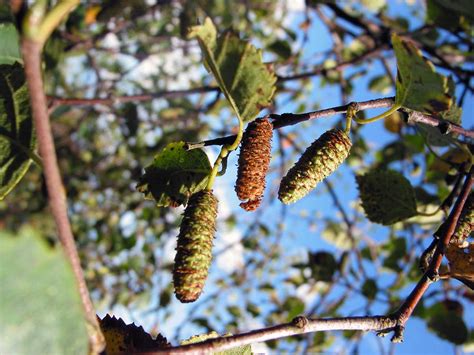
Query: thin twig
point(56, 192)
point(446, 231)
point(299, 325)
point(130, 98)
point(289, 119)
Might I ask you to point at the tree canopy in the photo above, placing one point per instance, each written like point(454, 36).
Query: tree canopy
point(345, 129)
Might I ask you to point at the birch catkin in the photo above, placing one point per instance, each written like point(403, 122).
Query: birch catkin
point(254, 160)
point(318, 161)
point(194, 249)
point(465, 224)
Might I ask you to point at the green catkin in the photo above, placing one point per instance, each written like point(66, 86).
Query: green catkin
point(194, 249)
point(318, 161)
point(254, 160)
point(466, 223)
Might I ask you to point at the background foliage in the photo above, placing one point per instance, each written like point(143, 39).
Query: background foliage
point(145, 87)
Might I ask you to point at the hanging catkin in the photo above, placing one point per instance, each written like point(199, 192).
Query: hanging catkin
point(194, 249)
point(254, 160)
point(465, 224)
point(317, 162)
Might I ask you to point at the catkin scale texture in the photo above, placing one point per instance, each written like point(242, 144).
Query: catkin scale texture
point(465, 224)
point(254, 160)
point(194, 249)
point(318, 161)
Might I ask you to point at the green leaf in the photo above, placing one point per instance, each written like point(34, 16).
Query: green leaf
point(294, 306)
point(380, 84)
point(40, 310)
point(237, 66)
point(369, 289)
point(253, 309)
point(281, 48)
point(396, 249)
point(10, 48)
point(175, 174)
point(17, 138)
point(387, 196)
point(449, 14)
point(335, 234)
point(374, 5)
point(450, 326)
point(323, 266)
point(469, 344)
point(419, 87)
point(434, 137)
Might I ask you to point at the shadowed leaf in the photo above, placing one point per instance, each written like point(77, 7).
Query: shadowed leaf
point(121, 338)
point(387, 196)
point(16, 127)
point(175, 174)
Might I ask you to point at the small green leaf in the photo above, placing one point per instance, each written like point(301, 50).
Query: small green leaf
point(374, 5)
point(294, 306)
point(434, 137)
point(40, 308)
point(369, 289)
point(175, 174)
point(17, 138)
point(253, 309)
point(335, 234)
point(419, 87)
point(450, 326)
point(380, 84)
point(387, 196)
point(450, 14)
point(10, 48)
point(396, 249)
point(245, 80)
point(323, 266)
point(281, 48)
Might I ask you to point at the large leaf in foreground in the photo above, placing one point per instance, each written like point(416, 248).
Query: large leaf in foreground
point(40, 308)
point(175, 174)
point(16, 127)
point(418, 85)
point(245, 80)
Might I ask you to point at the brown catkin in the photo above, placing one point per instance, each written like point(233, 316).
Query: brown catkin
point(194, 249)
point(317, 162)
point(254, 160)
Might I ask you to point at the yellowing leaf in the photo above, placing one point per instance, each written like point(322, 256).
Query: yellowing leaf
point(461, 263)
point(419, 87)
point(237, 66)
point(449, 160)
point(394, 122)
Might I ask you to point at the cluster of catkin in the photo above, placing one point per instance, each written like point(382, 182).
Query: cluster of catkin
point(196, 235)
